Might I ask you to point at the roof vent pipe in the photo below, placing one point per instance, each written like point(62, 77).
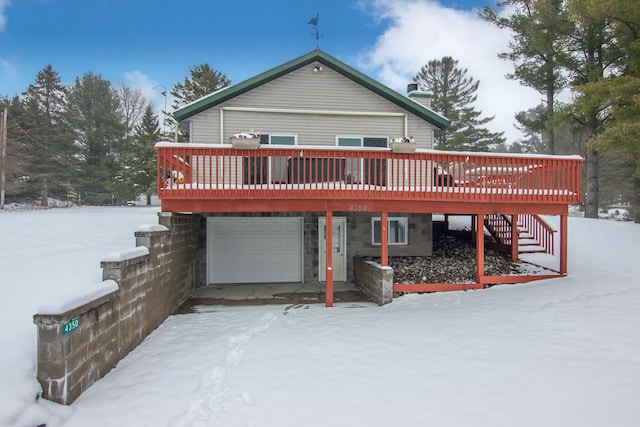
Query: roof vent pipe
point(412, 87)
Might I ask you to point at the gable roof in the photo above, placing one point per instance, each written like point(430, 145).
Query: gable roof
point(318, 55)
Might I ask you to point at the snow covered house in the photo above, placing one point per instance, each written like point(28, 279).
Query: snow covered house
point(340, 157)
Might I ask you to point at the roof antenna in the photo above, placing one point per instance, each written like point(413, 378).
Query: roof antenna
point(314, 22)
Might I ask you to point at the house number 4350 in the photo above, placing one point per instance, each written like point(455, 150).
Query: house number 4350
point(72, 325)
point(358, 208)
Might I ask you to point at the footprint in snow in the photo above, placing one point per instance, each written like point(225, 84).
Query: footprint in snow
point(248, 399)
point(294, 306)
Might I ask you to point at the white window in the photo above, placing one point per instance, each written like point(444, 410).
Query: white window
point(362, 141)
point(371, 171)
point(278, 165)
point(398, 231)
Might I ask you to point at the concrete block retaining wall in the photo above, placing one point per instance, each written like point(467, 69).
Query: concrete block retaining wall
point(374, 279)
point(142, 287)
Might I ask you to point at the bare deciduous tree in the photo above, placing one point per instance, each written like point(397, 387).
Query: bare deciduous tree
point(132, 106)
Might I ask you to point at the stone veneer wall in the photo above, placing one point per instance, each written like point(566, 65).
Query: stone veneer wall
point(148, 285)
point(374, 279)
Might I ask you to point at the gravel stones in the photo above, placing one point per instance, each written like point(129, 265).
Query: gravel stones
point(453, 261)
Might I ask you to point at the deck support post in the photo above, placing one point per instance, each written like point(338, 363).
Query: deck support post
point(328, 236)
point(473, 228)
point(514, 237)
point(563, 243)
point(384, 239)
point(479, 236)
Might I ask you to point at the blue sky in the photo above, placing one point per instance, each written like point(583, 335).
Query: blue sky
point(150, 43)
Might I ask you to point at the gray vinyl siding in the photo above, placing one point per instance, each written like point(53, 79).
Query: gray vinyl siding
point(205, 127)
point(303, 89)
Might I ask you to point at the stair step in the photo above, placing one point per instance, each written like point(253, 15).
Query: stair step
point(532, 251)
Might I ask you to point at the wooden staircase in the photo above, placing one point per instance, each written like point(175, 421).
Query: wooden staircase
point(532, 234)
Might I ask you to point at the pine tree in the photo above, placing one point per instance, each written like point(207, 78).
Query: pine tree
point(453, 96)
point(534, 126)
point(50, 136)
point(532, 123)
point(594, 53)
point(18, 156)
point(620, 93)
point(142, 160)
point(202, 81)
point(95, 108)
point(539, 30)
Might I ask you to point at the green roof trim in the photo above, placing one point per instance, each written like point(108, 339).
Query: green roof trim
point(318, 55)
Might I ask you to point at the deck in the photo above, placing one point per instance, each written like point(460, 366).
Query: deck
point(504, 193)
point(219, 178)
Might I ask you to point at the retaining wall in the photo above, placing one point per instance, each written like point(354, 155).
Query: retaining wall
point(82, 337)
point(374, 279)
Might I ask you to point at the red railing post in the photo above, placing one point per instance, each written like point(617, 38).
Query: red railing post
point(384, 239)
point(329, 258)
point(514, 237)
point(479, 247)
point(563, 243)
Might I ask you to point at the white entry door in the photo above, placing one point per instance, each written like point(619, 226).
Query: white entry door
point(338, 249)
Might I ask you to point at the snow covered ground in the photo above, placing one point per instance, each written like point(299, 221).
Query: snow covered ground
point(560, 352)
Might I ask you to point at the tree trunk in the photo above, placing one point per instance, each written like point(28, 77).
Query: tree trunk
point(148, 199)
point(551, 137)
point(636, 200)
point(593, 188)
point(45, 193)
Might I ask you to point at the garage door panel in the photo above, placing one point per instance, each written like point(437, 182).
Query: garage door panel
point(254, 250)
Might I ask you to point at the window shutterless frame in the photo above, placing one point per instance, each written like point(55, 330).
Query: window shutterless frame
point(368, 172)
point(398, 231)
point(278, 165)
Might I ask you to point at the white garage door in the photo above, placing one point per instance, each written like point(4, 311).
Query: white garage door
point(254, 250)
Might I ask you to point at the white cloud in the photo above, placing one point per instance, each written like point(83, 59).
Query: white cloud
point(3, 19)
point(7, 68)
point(10, 76)
point(151, 89)
point(419, 31)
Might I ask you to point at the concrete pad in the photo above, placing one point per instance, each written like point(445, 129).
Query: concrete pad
point(271, 293)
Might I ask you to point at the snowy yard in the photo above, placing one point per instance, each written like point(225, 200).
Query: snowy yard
point(562, 352)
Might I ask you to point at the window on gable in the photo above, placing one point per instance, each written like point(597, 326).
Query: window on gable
point(397, 231)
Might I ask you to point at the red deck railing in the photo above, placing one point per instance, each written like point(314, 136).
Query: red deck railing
point(532, 232)
point(207, 171)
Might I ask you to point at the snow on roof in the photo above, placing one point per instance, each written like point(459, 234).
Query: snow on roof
point(126, 254)
point(69, 302)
